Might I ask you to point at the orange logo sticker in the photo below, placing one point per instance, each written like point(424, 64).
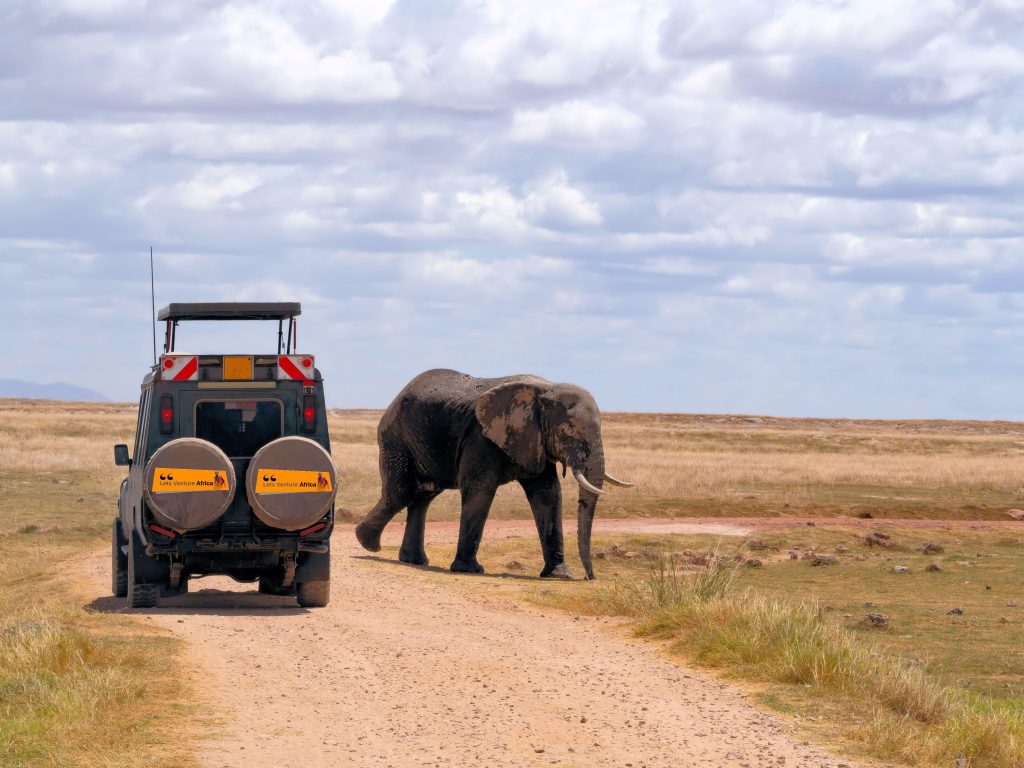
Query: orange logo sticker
point(293, 481)
point(171, 480)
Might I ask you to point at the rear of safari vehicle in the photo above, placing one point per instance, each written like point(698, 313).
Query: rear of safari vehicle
point(232, 472)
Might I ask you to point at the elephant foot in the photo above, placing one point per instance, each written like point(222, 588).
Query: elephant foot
point(461, 566)
point(560, 571)
point(368, 537)
point(413, 558)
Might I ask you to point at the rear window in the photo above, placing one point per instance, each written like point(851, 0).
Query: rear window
point(239, 428)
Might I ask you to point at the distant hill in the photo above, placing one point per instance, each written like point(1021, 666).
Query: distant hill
point(58, 391)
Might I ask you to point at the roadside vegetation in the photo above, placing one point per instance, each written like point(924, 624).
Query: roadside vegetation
point(902, 711)
point(916, 666)
point(78, 686)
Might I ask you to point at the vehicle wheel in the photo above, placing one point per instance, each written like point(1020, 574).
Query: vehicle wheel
point(118, 562)
point(314, 594)
point(139, 595)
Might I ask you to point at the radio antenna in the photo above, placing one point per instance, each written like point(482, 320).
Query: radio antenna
point(152, 295)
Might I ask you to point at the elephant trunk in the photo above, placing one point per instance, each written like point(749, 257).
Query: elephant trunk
point(593, 470)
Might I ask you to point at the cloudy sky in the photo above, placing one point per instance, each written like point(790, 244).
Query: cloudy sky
point(808, 208)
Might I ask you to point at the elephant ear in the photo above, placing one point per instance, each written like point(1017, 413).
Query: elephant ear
point(510, 417)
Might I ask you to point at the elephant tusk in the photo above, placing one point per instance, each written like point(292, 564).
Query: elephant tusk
point(622, 484)
point(586, 484)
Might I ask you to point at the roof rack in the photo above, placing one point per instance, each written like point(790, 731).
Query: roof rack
point(231, 310)
point(173, 314)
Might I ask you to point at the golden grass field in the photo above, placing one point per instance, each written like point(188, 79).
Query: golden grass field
point(755, 466)
point(683, 465)
point(68, 673)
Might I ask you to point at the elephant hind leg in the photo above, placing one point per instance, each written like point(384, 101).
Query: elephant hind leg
point(370, 528)
point(398, 490)
point(412, 550)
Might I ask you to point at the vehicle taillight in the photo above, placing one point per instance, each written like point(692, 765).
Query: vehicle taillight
point(166, 414)
point(162, 531)
point(309, 413)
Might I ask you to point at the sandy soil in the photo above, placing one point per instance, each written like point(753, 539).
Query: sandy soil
point(447, 531)
point(405, 668)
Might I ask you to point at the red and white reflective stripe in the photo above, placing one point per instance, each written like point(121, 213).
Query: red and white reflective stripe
point(179, 368)
point(295, 367)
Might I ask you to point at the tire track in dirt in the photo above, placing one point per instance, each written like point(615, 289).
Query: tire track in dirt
point(400, 670)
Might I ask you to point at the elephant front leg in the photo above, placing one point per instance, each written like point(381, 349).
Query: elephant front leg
point(545, 496)
point(412, 550)
point(476, 505)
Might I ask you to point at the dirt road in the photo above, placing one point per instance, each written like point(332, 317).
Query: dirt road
point(405, 668)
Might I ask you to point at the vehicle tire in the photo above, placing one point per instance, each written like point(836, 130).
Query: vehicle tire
point(118, 562)
point(139, 595)
point(314, 594)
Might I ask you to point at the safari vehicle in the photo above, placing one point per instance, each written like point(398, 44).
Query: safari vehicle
point(232, 472)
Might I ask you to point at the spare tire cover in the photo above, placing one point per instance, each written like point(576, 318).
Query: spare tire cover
point(189, 483)
point(291, 483)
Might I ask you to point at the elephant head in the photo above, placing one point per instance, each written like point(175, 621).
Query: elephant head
point(536, 422)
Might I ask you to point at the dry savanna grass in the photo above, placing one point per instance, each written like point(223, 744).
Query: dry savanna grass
point(736, 465)
point(682, 465)
point(77, 687)
point(914, 691)
point(751, 466)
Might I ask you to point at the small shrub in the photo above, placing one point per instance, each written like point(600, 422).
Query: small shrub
point(666, 587)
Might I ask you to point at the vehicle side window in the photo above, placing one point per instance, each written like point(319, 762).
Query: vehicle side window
point(140, 428)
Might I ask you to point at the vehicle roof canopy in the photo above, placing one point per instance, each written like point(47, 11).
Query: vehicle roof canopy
point(231, 310)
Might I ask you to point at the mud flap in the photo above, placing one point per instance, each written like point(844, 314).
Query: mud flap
point(313, 566)
point(148, 570)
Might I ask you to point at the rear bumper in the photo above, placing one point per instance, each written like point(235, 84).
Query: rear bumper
point(285, 561)
point(185, 545)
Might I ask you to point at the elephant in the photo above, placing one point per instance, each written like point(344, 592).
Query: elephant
point(448, 430)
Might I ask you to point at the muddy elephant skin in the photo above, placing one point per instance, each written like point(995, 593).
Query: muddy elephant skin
point(447, 430)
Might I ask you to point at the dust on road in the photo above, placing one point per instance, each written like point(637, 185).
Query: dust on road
point(406, 669)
